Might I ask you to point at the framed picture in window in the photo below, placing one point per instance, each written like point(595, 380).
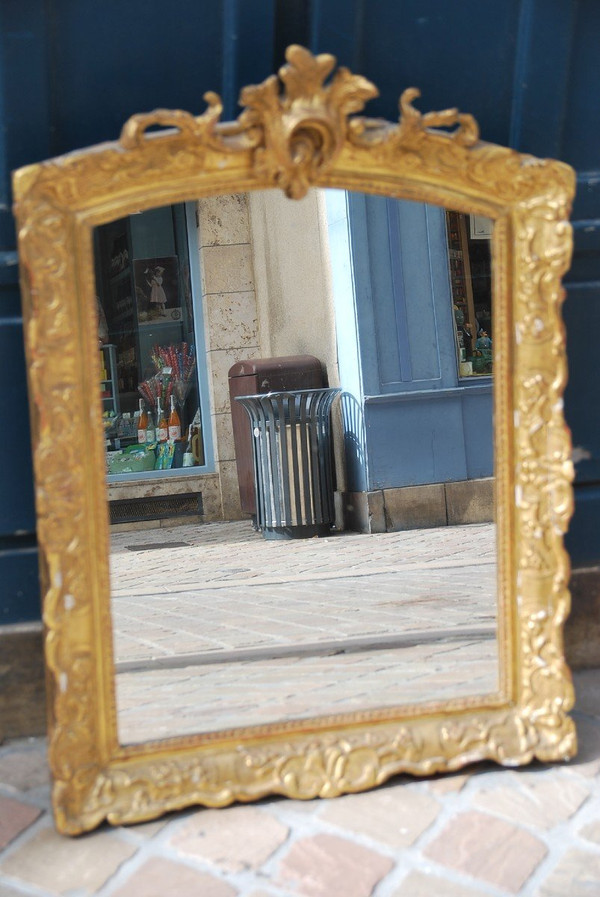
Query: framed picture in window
point(481, 227)
point(157, 290)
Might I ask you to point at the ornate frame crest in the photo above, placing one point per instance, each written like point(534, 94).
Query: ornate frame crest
point(303, 135)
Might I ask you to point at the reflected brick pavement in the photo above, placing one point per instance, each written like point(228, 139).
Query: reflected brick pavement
point(484, 832)
point(198, 591)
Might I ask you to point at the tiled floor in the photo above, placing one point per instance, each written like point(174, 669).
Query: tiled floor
point(485, 831)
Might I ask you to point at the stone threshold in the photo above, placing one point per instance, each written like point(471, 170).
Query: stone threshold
point(420, 507)
point(206, 486)
point(22, 680)
point(171, 485)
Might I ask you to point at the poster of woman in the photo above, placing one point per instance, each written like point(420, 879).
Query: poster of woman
point(157, 289)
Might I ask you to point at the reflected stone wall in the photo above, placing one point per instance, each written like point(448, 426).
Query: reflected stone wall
point(231, 325)
point(266, 290)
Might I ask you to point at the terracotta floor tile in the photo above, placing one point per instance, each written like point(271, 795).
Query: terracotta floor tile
point(159, 877)
point(234, 839)
point(577, 875)
point(489, 849)
point(325, 865)
point(418, 884)
point(542, 802)
point(395, 816)
point(57, 864)
point(448, 784)
point(15, 817)
point(591, 831)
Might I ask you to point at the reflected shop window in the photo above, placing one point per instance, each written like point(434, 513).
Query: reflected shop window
point(149, 380)
point(469, 256)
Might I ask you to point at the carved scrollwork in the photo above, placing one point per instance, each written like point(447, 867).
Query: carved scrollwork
point(296, 131)
point(201, 128)
point(414, 125)
point(305, 127)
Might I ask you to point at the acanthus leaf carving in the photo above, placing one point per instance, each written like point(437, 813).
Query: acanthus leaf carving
point(305, 127)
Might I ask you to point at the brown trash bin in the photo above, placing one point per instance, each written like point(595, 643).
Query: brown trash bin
point(262, 375)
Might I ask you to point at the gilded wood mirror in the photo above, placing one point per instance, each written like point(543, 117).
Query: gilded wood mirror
point(298, 135)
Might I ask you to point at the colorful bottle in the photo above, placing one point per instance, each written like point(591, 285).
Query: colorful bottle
point(142, 423)
point(150, 430)
point(162, 427)
point(174, 423)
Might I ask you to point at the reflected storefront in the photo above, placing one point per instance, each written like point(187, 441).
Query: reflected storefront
point(469, 263)
point(147, 335)
point(186, 291)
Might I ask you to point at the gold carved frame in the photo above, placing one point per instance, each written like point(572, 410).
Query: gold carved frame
point(295, 137)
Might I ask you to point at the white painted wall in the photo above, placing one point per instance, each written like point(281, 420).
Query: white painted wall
point(292, 277)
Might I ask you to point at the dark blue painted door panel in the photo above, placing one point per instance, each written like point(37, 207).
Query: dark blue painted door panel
point(71, 71)
point(20, 590)
point(456, 53)
point(16, 494)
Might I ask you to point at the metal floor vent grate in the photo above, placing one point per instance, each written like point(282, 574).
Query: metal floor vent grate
point(156, 507)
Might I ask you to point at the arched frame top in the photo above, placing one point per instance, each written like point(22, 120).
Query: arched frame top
point(296, 131)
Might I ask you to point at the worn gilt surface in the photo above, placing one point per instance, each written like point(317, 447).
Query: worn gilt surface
point(296, 131)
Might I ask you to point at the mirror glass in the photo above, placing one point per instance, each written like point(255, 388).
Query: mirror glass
point(218, 624)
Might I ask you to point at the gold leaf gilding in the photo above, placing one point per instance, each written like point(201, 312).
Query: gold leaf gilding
point(297, 137)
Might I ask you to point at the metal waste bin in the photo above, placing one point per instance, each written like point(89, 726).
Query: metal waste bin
point(293, 467)
point(262, 375)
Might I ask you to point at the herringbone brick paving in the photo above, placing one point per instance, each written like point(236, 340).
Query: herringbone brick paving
point(196, 591)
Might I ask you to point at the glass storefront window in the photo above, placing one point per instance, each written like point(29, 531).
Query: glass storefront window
point(469, 255)
point(149, 378)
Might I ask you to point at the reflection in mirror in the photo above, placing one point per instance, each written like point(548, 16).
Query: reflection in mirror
point(215, 626)
point(147, 339)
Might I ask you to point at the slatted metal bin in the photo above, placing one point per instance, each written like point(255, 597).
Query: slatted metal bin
point(262, 375)
point(293, 467)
